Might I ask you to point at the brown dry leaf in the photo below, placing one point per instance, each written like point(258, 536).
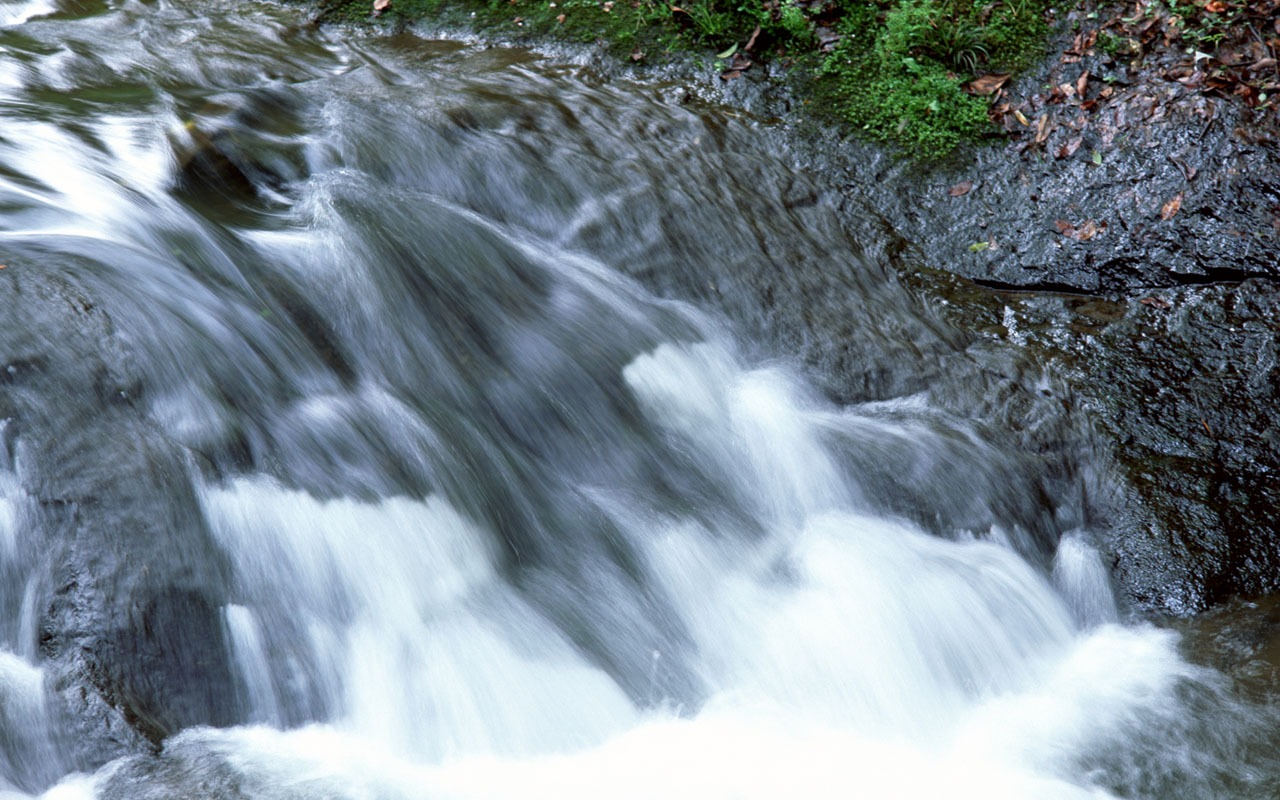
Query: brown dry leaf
point(1170, 208)
point(1155, 301)
point(1088, 230)
point(960, 189)
point(751, 42)
point(1021, 117)
point(1084, 42)
point(1215, 6)
point(1082, 83)
point(1042, 129)
point(1069, 149)
point(1187, 170)
point(987, 84)
point(636, 55)
point(560, 18)
point(380, 5)
point(1084, 233)
point(736, 67)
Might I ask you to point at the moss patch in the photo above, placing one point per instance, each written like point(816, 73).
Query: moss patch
point(892, 70)
point(899, 72)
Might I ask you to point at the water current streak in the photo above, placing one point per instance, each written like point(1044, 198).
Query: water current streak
point(371, 429)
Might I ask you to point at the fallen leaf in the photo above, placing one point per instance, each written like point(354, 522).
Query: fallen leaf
point(1154, 301)
point(1097, 158)
point(608, 6)
point(978, 247)
point(560, 18)
point(1042, 129)
point(1215, 6)
point(1082, 83)
point(1069, 149)
point(961, 188)
point(1088, 230)
point(751, 42)
point(739, 64)
point(1170, 208)
point(727, 53)
point(1187, 170)
point(380, 5)
point(987, 84)
point(1082, 233)
point(636, 55)
point(1021, 117)
point(1083, 44)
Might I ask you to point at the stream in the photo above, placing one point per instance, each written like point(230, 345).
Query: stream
point(370, 427)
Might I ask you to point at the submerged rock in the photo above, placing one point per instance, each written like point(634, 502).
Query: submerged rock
point(128, 587)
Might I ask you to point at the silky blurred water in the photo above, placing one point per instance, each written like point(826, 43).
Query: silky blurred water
point(506, 510)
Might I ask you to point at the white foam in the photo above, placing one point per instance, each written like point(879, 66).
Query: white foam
point(1082, 577)
point(431, 652)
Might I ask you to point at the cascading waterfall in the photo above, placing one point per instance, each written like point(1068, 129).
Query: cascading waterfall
point(334, 347)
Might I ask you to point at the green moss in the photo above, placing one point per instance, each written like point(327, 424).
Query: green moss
point(918, 105)
point(899, 71)
point(896, 74)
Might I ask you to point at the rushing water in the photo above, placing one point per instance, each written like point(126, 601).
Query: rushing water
point(341, 340)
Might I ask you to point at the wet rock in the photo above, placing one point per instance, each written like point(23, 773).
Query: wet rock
point(1242, 639)
point(182, 770)
point(129, 585)
point(1182, 385)
point(236, 148)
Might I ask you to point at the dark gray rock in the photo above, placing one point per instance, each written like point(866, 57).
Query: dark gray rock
point(131, 587)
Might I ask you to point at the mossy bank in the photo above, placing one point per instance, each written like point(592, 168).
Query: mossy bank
point(898, 72)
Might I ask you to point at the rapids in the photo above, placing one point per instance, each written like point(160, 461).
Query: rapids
point(370, 432)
